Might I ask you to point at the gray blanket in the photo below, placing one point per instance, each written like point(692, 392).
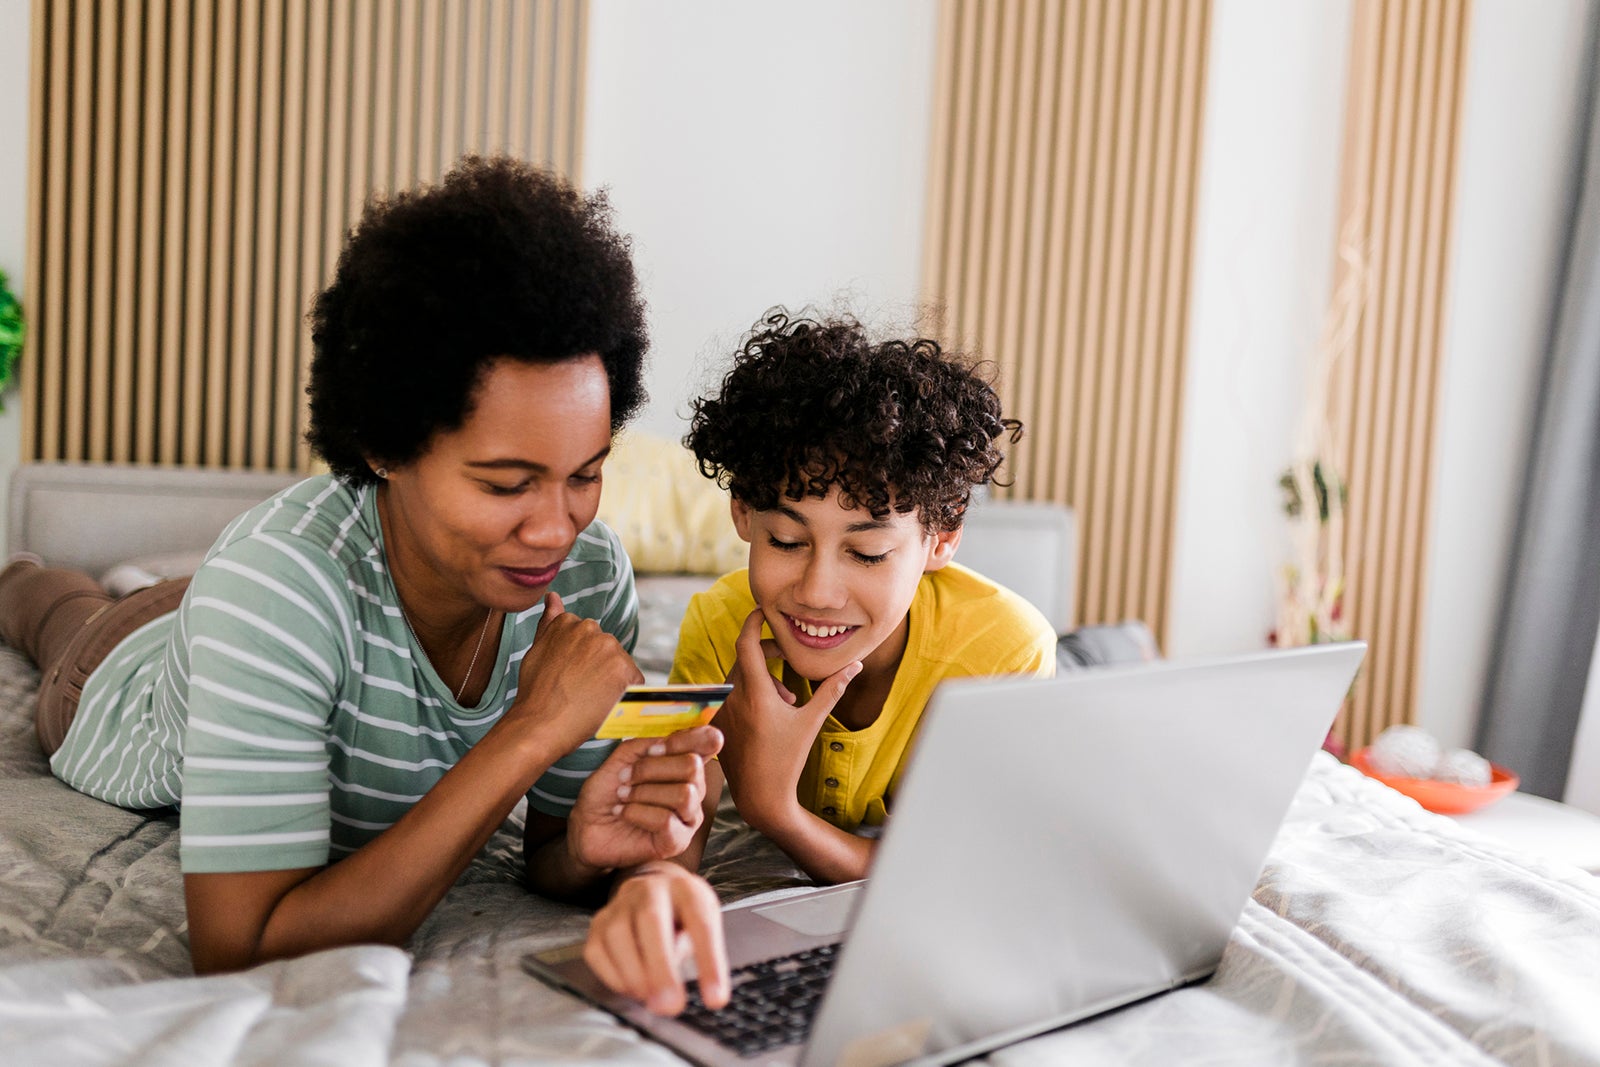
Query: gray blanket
point(1378, 934)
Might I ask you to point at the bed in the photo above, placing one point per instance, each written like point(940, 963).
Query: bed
point(1378, 933)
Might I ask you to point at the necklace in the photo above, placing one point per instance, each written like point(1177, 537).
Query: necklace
point(467, 678)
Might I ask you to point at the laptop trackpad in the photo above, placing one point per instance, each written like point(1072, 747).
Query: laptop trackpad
point(820, 915)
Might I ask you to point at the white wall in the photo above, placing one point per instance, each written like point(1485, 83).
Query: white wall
point(759, 153)
point(1523, 72)
point(1262, 270)
point(15, 54)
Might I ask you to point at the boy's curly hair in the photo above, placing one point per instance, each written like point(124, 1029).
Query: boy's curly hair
point(499, 259)
point(896, 425)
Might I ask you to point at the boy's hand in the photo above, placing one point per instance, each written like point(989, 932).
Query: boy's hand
point(767, 738)
point(645, 801)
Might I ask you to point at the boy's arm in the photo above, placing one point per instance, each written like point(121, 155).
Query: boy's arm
point(822, 850)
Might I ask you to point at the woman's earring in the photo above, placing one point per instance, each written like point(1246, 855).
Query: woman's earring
point(382, 472)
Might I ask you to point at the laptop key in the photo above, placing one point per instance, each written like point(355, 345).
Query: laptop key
point(773, 1002)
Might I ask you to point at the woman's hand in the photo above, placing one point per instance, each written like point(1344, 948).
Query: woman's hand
point(645, 802)
point(659, 917)
point(571, 678)
point(766, 737)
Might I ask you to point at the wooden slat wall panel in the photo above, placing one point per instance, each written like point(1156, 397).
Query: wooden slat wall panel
point(194, 165)
point(1060, 206)
point(1402, 121)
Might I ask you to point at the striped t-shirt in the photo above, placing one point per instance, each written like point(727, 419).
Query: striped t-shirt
point(286, 707)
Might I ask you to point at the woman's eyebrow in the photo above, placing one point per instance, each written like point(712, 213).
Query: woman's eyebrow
point(512, 463)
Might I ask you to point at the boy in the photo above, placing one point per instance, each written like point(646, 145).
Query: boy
point(850, 465)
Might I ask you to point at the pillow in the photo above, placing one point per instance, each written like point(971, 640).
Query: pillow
point(135, 574)
point(671, 519)
point(1104, 644)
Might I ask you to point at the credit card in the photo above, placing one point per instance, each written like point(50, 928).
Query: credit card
point(659, 710)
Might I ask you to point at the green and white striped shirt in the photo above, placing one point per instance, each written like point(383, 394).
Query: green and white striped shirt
point(287, 708)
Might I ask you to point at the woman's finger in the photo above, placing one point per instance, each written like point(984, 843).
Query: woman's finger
point(700, 916)
point(650, 819)
point(623, 950)
point(654, 932)
point(688, 767)
point(681, 798)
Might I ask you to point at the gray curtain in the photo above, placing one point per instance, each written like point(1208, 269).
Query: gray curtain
point(1550, 611)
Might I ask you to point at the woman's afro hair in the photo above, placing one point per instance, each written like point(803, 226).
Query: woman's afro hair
point(498, 260)
point(809, 405)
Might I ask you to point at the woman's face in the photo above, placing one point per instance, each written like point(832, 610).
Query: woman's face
point(491, 509)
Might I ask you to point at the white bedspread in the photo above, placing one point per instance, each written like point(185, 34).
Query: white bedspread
point(1378, 934)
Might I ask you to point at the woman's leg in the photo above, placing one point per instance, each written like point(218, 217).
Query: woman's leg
point(68, 625)
point(43, 608)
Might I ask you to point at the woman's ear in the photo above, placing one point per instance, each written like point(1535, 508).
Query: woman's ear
point(741, 518)
point(942, 548)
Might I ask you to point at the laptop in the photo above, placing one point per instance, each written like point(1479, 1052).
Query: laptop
point(1057, 849)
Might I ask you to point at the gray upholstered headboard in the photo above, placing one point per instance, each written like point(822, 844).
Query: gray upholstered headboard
point(93, 515)
point(1029, 547)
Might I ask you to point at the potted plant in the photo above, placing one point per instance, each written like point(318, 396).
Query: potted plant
point(11, 332)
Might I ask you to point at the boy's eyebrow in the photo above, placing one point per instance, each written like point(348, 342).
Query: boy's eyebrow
point(854, 527)
point(512, 463)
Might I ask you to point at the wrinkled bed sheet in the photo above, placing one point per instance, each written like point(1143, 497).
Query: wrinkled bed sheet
point(1378, 934)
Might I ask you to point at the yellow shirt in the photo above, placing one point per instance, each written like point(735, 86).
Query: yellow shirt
point(962, 625)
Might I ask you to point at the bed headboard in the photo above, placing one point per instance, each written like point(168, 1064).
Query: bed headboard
point(1028, 546)
point(94, 515)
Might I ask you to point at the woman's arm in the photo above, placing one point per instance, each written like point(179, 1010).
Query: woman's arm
point(570, 679)
point(384, 890)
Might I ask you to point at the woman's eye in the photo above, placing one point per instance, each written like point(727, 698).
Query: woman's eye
point(585, 479)
point(494, 489)
point(782, 546)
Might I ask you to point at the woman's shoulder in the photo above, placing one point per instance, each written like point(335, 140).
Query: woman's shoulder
point(321, 526)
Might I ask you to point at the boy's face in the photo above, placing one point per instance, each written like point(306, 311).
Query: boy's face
point(834, 583)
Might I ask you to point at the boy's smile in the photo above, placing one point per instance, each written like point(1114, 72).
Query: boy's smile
point(834, 583)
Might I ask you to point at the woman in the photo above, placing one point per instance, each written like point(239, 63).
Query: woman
point(372, 668)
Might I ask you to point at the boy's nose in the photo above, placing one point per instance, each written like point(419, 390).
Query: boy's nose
point(819, 587)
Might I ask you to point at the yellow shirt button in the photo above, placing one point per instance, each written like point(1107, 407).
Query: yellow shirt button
point(830, 810)
point(831, 783)
point(836, 746)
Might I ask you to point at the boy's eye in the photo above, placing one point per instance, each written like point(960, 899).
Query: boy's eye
point(586, 479)
point(782, 546)
point(862, 557)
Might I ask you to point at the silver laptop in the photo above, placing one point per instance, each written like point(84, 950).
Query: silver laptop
point(1057, 849)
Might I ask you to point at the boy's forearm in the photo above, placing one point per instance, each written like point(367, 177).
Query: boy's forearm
point(822, 850)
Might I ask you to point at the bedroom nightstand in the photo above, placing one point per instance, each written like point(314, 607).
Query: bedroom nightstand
point(1558, 831)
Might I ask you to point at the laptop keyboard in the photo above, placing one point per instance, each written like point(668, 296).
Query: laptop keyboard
point(772, 1005)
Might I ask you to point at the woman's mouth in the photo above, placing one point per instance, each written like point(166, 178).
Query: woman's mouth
point(531, 578)
point(819, 635)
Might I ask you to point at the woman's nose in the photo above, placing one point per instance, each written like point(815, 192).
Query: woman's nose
point(548, 523)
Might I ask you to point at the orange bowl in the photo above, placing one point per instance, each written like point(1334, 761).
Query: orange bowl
point(1446, 798)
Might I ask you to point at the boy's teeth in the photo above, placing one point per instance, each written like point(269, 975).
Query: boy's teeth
point(820, 631)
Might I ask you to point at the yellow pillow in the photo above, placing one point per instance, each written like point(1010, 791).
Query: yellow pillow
point(671, 519)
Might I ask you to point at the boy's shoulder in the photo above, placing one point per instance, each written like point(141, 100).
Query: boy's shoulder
point(728, 598)
point(964, 606)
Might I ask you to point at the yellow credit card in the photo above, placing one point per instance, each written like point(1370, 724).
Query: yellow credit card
point(659, 710)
